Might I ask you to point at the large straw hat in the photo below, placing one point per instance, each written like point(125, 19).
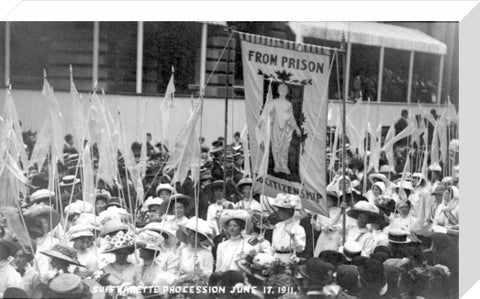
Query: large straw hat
point(159, 227)
point(351, 249)
point(151, 240)
point(119, 241)
point(80, 230)
point(287, 201)
point(41, 195)
point(151, 201)
point(201, 228)
point(378, 176)
point(167, 187)
point(398, 236)
point(112, 226)
point(66, 284)
point(366, 208)
point(244, 181)
point(407, 185)
point(69, 180)
point(43, 211)
point(64, 253)
point(228, 215)
point(79, 207)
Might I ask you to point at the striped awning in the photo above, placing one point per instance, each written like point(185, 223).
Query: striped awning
point(371, 34)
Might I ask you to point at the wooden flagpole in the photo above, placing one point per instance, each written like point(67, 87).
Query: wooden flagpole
point(227, 90)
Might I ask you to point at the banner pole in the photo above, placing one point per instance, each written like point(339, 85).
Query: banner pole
point(346, 59)
point(227, 90)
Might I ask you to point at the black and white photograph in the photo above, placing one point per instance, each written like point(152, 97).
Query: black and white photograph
point(229, 159)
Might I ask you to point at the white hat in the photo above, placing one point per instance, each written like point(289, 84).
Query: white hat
point(380, 185)
point(387, 168)
point(378, 176)
point(198, 225)
point(159, 227)
point(80, 230)
point(165, 187)
point(153, 201)
point(79, 207)
point(288, 201)
point(69, 180)
point(405, 185)
point(435, 167)
point(367, 208)
point(351, 249)
point(398, 236)
point(228, 215)
point(41, 194)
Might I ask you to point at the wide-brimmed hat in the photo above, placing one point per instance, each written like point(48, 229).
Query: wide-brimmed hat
point(287, 201)
point(366, 208)
point(318, 271)
point(151, 240)
point(64, 253)
point(119, 241)
point(244, 181)
point(440, 189)
point(80, 230)
point(372, 274)
point(79, 207)
point(378, 176)
point(187, 201)
point(201, 228)
point(386, 169)
point(217, 143)
point(67, 284)
point(167, 187)
point(398, 236)
point(216, 184)
point(407, 185)
point(41, 195)
point(159, 227)
point(41, 210)
point(351, 249)
point(9, 246)
point(205, 176)
point(333, 257)
point(435, 167)
point(152, 201)
point(69, 180)
point(380, 185)
point(112, 226)
point(228, 215)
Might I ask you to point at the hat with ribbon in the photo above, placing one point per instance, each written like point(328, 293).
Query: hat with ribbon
point(66, 284)
point(398, 236)
point(79, 207)
point(317, 271)
point(287, 201)
point(365, 208)
point(197, 225)
point(42, 195)
point(69, 180)
point(119, 241)
point(228, 215)
point(80, 230)
point(351, 249)
point(159, 227)
point(167, 187)
point(153, 201)
point(64, 253)
point(169, 205)
point(151, 240)
point(112, 226)
point(243, 182)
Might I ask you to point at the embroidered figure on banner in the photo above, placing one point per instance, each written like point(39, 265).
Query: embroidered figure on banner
point(287, 139)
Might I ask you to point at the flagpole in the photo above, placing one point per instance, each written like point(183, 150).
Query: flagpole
point(227, 90)
point(346, 60)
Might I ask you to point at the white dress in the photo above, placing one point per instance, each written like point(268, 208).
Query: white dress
point(171, 222)
point(248, 205)
point(230, 251)
point(9, 277)
point(364, 237)
point(186, 254)
point(329, 239)
point(408, 223)
point(283, 244)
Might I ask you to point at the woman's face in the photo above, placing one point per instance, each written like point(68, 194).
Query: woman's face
point(246, 190)
point(21, 259)
point(59, 264)
point(45, 224)
point(121, 256)
point(154, 212)
point(146, 254)
point(164, 194)
point(234, 228)
point(218, 193)
point(362, 220)
point(179, 209)
point(404, 209)
point(376, 191)
point(191, 237)
point(82, 243)
point(100, 206)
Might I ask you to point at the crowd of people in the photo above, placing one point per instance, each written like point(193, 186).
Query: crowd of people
point(397, 240)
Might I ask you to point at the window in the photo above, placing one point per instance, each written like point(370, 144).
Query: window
point(425, 78)
point(364, 66)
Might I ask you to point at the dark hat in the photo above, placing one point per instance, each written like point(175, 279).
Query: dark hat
point(398, 236)
point(217, 143)
point(318, 271)
point(114, 201)
point(383, 249)
point(372, 274)
point(64, 253)
point(216, 184)
point(347, 278)
point(243, 182)
point(333, 257)
point(15, 293)
point(9, 246)
point(366, 208)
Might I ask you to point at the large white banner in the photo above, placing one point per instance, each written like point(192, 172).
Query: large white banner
point(297, 114)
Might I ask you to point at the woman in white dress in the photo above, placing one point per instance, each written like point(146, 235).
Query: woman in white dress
point(404, 219)
point(232, 249)
point(330, 227)
point(177, 207)
point(195, 253)
point(447, 213)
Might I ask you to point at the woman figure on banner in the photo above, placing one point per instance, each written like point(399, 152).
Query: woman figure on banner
point(283, 125)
